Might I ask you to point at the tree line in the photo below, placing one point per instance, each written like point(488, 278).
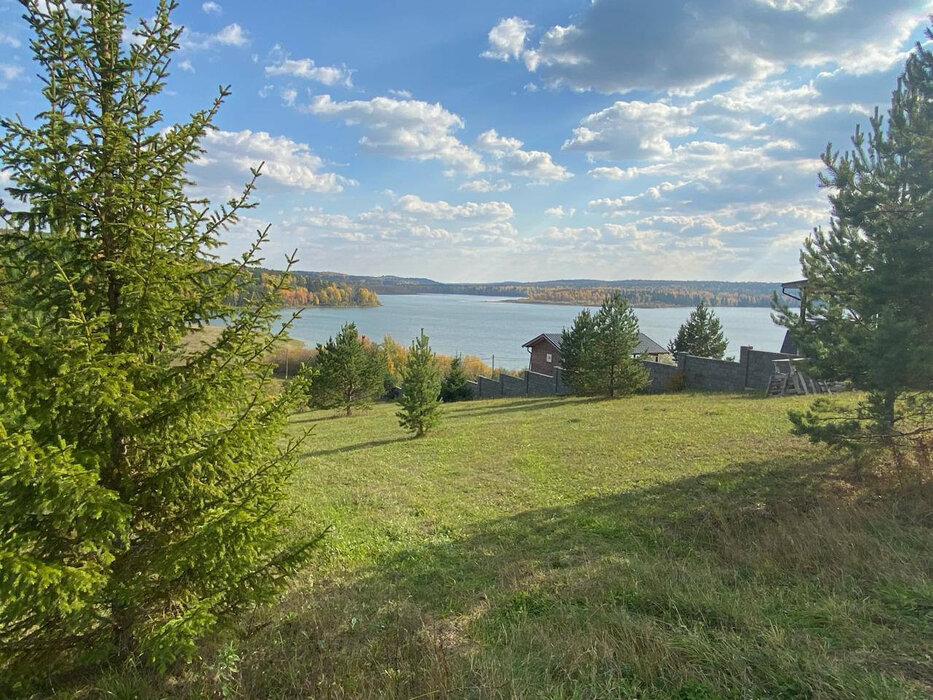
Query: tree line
point(641, 297)
point(639, 293)
point(302, 290)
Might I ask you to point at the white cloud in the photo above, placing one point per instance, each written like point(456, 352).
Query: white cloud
point(679, 47)
point(406, 129)
point(212, 8)
point(508, 155)
point(559, 212)
point(609, 173)
point(411, 225)
point(441, 210)
point(404, 94)
point(9, 40)
point(231, 35)
point(231, 154)
point(484, 185)
point(306, 69)
point(289, 95)
point(9, 71)
point(186, 66)
point(507, 39)
point(631, 129)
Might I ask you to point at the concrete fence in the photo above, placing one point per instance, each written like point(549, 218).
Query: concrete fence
point(751, 372)
point(531, 384)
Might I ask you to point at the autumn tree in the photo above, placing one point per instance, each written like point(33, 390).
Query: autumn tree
point(141, 478)
point(421, 388)
point(348, 372)
point(867, 315)
point(700, 335)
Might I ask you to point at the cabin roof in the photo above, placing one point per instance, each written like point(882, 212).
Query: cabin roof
point(645, 344)
point(552, 338)
point(796, 284)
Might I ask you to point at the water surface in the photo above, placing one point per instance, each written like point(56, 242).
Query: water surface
point(487, 326)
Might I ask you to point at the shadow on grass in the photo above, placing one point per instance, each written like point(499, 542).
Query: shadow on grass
point(299, 418)
point(474, 405)
point(757, 579)
point(368, 445)
point(490, 408)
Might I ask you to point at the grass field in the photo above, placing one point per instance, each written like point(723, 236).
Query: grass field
point(658, 546)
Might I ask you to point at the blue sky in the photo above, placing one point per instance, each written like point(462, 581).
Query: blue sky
point(489, 141)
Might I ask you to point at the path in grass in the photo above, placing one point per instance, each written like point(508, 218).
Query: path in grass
point(650, 546)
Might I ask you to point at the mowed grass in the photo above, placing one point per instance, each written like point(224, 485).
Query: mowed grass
point(656, 546)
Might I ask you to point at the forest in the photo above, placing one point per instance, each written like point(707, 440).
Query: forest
point(640, 293)
point(303, 290)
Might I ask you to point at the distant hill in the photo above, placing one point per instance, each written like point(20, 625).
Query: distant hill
point(643, 293)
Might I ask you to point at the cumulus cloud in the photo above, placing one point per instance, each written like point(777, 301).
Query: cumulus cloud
point(410, 225)
point(306, 69)
point(559, 211)
point(508, 156)
point(212, 8)
point(483, 185)
point(631, 130)
point(231, 35)
point(442, 211)
point(406, 129)
point(507, 39)
point(231, 154)
point(678, 47)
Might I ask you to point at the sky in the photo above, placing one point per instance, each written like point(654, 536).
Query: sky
point(524, 140)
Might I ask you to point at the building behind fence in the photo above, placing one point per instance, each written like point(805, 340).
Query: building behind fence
point(752, 372)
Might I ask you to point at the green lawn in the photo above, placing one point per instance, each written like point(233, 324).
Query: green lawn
point(657, 546)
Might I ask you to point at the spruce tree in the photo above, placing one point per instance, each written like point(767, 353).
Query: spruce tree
point(348, 372)
point(454, 387)
point(141, 478)
point(700, 335)
point(421, 388)
point(867, 315)
point(578, 354)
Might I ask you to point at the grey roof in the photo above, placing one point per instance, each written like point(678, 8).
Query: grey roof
point(645, 344)
point(552, 338)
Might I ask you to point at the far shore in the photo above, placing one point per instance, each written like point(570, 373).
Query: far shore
point(549, 302)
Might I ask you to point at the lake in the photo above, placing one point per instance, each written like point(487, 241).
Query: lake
point(487, 326)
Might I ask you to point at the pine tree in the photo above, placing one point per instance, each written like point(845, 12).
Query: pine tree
point(347, 373)
point(616, 340)
point(454, 387)
point(701, 335)
point(867, 315)
point(141, 478)
point(597, 352)
point(421, 388)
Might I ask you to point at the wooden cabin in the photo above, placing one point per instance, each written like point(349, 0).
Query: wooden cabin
point(544, 352)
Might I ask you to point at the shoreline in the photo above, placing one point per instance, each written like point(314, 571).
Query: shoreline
point(548, 302)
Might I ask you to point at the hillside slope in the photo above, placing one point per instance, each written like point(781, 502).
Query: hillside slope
point(656, 546)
